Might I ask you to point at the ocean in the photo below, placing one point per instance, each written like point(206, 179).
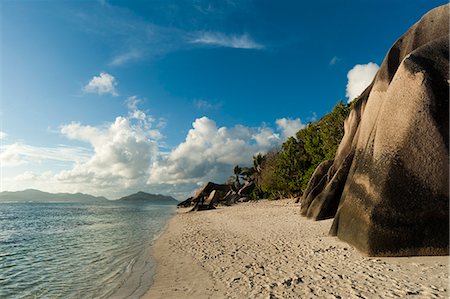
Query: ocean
point(78, 250)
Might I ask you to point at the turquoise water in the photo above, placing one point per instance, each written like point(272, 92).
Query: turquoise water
point(78, 250)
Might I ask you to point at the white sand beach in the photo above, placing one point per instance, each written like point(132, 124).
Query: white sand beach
point(266, 249)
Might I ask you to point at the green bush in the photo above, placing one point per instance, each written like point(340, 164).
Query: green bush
point(286, 172)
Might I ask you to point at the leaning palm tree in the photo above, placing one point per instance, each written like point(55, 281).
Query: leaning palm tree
point(257, 162)
point(248, 174)
point(237, 172)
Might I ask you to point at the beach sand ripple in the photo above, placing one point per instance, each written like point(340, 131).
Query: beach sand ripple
point(266, 249)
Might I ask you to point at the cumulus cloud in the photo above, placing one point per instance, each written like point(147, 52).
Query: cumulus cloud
point(115, 162)
point(102, 84)
point(265, 139)
point(218, 39)
point(3, 135)
point(127, 155)
point(209, 152)
point(123, 151)
point(359, 77)
point(31, 179)
point(10, 156)
point(288, 126)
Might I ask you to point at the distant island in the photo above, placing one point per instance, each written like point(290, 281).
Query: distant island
point(33, 195)
point(143, 197)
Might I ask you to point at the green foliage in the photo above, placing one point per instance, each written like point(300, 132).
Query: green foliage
point(270, 182)
point(257, 162)
point(248, 174)
point(332, 129)
point(286, 172)
point(237, 173)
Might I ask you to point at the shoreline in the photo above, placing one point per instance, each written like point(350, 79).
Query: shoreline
point(141, 269)
point(265, 249)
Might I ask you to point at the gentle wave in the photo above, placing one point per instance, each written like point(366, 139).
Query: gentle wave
point(77, 250)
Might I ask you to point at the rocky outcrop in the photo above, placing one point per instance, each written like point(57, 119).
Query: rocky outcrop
point(231, 198)
point(210, 195)
point(207, 203)
point(247, 189)
point(202, 199)
point(208, 188)
point(315, 186)
point(185, 203)
point(388, 185)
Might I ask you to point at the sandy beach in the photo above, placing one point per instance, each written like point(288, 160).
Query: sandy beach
point(266, 249)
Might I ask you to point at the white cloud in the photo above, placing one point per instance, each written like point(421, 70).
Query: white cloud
point(126, 57)
point(17, 154)
point(205, 105)
point(10, 156)
point(135, 39)
point(127, 155)
point(210, 152)
point(30, 176)
point(118, 162)
point(334, 60)
point(31, 180)
point(123, 152)
point(265, 139)
point(3, 135)
point(313, 117)
point(359, 77)
point(102, 84)
point(288, 126)
point(207, 9)
point(218, 39)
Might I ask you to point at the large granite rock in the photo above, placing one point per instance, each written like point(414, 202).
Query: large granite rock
point(390, 177)
point(185, 203)
point(206, 189)
point(247, 189)
point(315, 186)
point(206, 197)
point(230, 198)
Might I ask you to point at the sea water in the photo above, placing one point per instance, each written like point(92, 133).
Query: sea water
point(78, 250)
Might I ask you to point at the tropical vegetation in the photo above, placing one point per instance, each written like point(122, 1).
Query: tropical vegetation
point(286, 171)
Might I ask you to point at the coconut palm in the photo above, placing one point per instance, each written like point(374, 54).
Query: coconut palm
point(257, 162)
point(248, 174)
point(237, 173)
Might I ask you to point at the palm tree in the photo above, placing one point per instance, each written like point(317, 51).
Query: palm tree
point(237, 172)
point(257, 162)
point(248, 174)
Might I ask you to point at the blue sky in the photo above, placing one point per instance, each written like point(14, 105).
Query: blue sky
point(111, 97)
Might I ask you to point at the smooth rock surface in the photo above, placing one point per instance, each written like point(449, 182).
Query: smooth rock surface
point(390, 176)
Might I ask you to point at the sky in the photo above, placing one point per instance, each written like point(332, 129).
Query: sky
point(113, 97)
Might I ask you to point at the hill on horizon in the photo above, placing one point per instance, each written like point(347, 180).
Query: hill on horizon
point(33, 195)
point(143, 197)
